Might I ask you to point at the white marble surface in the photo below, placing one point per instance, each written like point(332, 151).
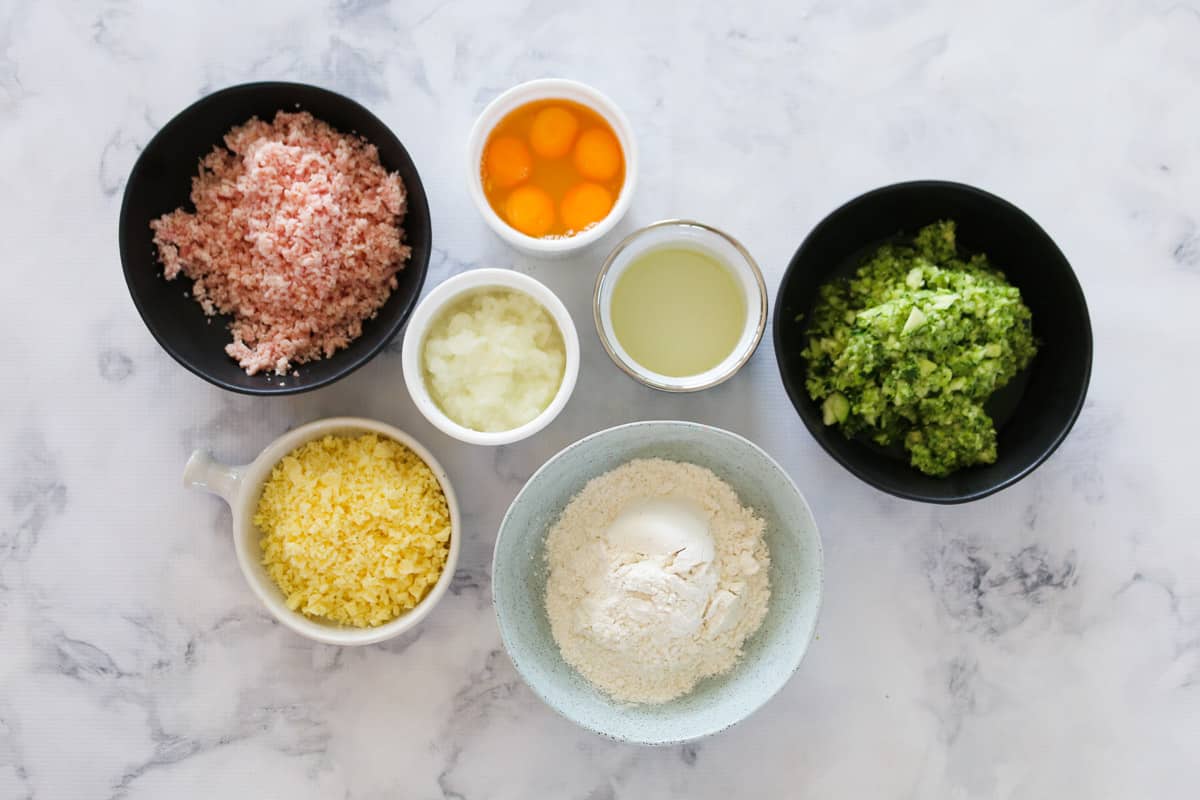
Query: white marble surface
point(1043, 643)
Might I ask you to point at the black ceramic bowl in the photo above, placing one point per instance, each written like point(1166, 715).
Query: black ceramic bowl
point(161, 181)
point(1033, 413)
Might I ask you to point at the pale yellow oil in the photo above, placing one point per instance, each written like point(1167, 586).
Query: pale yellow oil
point(678, 311)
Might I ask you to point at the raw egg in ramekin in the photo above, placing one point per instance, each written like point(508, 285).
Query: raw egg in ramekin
point(552, 166)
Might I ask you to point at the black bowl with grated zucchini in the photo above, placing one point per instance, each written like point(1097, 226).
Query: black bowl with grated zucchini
point(934, 340)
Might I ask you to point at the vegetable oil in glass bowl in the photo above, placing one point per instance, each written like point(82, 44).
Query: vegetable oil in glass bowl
point(680, 306)
point(678, 310)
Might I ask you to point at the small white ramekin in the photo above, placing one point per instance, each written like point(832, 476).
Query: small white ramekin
point(241, 487)
point(547, 89)
point(431, 307)
point(704, 237)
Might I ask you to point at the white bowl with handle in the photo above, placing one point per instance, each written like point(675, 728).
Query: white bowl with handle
point(241, 486)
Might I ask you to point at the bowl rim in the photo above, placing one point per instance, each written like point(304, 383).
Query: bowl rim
point(163, 134)
point(675, 385)
point(254, 475)
point(818, 591)
point(545, 89)
point(798, 397)
point(428, 311)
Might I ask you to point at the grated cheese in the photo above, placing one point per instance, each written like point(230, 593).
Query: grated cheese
point(354, 530)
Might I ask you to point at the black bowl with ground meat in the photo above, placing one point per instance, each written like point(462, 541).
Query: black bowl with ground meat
point(1033, 413)
point(161, 182)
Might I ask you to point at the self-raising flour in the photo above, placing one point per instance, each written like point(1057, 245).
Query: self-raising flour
point(657, 576)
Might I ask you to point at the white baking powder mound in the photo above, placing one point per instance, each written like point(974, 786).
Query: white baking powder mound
point(657, 576)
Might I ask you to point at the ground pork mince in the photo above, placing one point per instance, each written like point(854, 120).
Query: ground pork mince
point(296, 235)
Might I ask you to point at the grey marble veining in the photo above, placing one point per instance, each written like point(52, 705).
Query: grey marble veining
point(1041, 643)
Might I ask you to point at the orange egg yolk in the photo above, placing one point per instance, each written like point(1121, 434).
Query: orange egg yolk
point(597, 154)
point(530, 210)
point(508, 162)
point(584, 205)
point(553, 132)
point(552, 168)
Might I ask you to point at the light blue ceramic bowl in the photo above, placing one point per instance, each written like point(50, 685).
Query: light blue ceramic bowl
point(772, 654)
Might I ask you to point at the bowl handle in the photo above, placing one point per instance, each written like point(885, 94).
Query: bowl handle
point(202, 472)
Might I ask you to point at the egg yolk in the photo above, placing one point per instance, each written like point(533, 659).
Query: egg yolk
point(552, 168)
point(530, 210)
point(597, 154)
point(508, 162)
point(584, 205)
point(553, 132)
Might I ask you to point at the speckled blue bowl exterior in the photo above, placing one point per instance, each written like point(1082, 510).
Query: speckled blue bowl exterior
point(772, 654)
